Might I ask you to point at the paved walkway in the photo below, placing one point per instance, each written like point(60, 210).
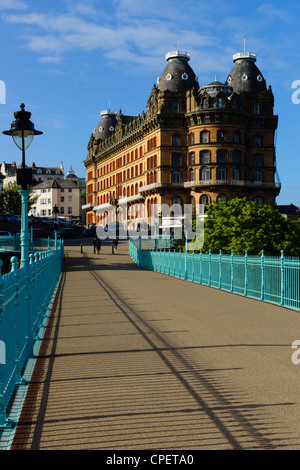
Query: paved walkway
point(136, 360)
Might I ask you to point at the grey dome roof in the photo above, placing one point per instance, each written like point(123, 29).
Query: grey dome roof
point(106, 125)
point(215, 87)
point(178, 75)
point(245, 75)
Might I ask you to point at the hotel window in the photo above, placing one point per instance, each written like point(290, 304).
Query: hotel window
point(192, 174)
point(257, 176)
point(69, 210)
point(220, 102)
point(192, 139)
point(204, 137)
point(204, 156)
point(221, 198)
point(236, 156)
point(62, 210)
point(205, 103)
point(192, 158)
point(256, 109)
point(175, 107)
point(257, 141)
point(221, 156)
point(205, 173)
point(175, 159)
point(257, 160)
point(204, 199)
point(176, 140)
point(236, 137)
point(221, 136)
point(221, 173)
point(62, 199)
point(258, 200)
point(236, 174)
point(175, 176)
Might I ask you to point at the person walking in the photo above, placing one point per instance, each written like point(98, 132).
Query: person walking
point(95, 244)
point(98, 245)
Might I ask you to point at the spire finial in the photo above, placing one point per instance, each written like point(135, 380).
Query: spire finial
point(244, 42)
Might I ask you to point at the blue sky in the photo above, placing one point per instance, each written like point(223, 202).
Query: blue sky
point(67, 60)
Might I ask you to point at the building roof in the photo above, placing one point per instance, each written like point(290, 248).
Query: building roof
point(106, 125)
point(245, 75)
point(178, 75)
point(56, 183)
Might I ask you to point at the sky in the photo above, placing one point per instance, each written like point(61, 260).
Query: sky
point(68, 60)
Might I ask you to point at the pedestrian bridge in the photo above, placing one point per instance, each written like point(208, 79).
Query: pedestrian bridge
point(134, 359)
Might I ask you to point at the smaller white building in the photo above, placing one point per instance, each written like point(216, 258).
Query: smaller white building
point(63, 193)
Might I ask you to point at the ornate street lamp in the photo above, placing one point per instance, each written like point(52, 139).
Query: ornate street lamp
point(22, 131)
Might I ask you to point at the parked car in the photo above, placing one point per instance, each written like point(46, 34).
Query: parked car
point(39, 233)
point(5, 236)
point(66, 233)
point(89, 232)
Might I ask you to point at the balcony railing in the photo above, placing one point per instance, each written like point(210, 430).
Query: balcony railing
point(244, 183)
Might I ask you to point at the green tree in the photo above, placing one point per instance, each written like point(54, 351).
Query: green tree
point(241, 225)
point(10, 199)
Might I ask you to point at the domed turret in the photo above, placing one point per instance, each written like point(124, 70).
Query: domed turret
point(178, 75)
point(107, 125)
point(245, 75)
point(215, 94)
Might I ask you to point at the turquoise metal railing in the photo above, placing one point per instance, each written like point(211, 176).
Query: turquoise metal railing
point(35, 244)
point(272, 279)
point(25, 296)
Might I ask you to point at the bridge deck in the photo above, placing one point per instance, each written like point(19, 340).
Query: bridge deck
point(136, 360)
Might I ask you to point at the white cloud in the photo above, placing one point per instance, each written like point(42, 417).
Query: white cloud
point(13, 5)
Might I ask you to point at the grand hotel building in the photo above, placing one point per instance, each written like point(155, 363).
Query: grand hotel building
point(193, 145)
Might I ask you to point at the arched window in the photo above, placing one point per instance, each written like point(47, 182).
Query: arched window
point(221, 173)
point(204, 173)
point(204, 156)
point(175, 107)
point(204, 137)
point(204, 199)
point(176, 159)
point(192, 158)
point(236, 137)
point(257, 160)
point(220, 102)
point(257, 142)
point(221, 198)
point(221, 137)
point(221, 156)
point(259, 200)
point(176, 140)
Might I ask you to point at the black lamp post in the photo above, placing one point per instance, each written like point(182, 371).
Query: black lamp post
point(22, 131)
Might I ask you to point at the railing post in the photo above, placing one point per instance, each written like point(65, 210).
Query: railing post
point(209, 267)
point(220, 269)
point(246, 273)
point(193, 266)
point(200, 270)
point(282, 278)
point(262, 265)
point(231, 271)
